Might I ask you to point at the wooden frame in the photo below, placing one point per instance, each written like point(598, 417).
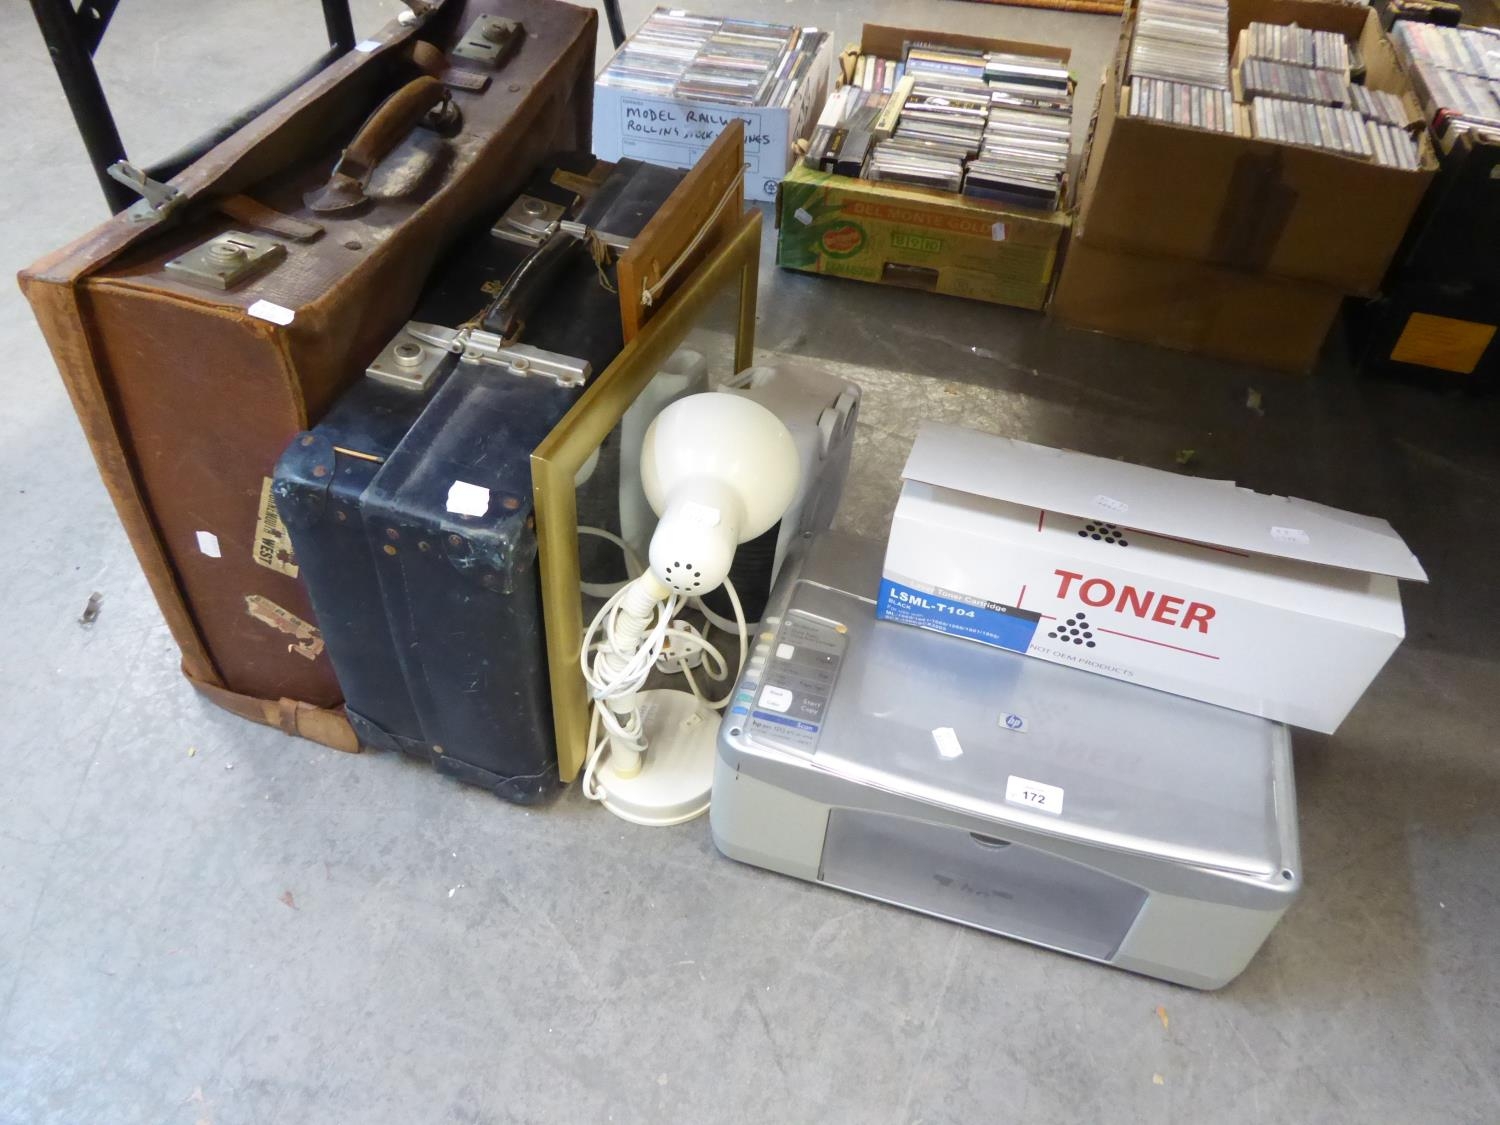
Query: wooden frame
point(556, 462)
point(702, 213)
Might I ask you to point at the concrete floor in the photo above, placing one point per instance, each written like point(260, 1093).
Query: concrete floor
point(202, 921)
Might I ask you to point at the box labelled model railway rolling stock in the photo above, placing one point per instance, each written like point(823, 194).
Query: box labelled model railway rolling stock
point(1266, 604)
point(643, 114)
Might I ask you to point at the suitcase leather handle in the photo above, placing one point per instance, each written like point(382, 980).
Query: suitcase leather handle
point(392, 120)
point(427, 58)
point(529, 282)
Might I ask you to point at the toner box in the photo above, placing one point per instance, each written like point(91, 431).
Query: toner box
point(1267, 604)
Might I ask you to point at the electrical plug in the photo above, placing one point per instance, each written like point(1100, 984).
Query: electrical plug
point(681, 653)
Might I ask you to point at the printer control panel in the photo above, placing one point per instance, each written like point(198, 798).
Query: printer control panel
point(783, 697)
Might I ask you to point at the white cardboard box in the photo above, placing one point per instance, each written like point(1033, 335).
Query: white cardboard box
point(1276, 606)
point(675, 133)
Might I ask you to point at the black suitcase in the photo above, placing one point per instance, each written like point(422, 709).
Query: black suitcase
point(409, 506)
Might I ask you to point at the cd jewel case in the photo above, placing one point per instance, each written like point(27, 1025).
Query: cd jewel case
point(990, 124)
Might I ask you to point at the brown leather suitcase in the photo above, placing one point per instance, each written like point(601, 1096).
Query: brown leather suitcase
point(188, 392)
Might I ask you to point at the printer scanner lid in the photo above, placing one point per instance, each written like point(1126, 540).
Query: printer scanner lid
point(926, 715)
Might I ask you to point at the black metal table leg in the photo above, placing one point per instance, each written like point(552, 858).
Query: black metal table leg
point(340, 25)
point(615, 20)
point(72, 36)
point(75, 69)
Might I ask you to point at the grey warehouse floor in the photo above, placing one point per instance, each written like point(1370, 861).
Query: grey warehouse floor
point(202, 921)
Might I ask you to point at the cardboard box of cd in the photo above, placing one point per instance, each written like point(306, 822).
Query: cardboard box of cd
point(1265, 604)
point(918, 238)
point(1243, 50)
point(915, 237)
point(1194, 306)
point(1254, 205)
point(675, 132)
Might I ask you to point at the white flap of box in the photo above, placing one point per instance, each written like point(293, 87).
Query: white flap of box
point(1203, 511)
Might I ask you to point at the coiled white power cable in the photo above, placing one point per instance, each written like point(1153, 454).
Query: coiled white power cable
point(619, 651)
point(634, 568)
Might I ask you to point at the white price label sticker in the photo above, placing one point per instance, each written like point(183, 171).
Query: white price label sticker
point(997, 232)
point(465, 499)
point(1111, 503)
point(946, 741)
point(208, 543)
point(1034, 794)
point(269, 310)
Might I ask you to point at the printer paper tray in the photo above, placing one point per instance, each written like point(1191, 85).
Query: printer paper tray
point(982, 881)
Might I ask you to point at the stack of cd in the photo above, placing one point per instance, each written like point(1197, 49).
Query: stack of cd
point(1482, 44)
point(1297, 46)
point(716, 61)
point(1341, 130)
point(655, 57)
point(967, 66)
point(1261, 77)
point(921, 163)
point(796, 65)
point(1378, 105)
point(738, 63)
point(1023, 157)
point(1456, 72)
point(1021, 168)
point(876, 75)
point(829, 132)
point(1295, 79)
point(990, 124)
point(1458, 102)
point(1042, 101)
point(940, 109)
point(1393, 145)
point(1463, 50)
point(857, 116)
point(1027, 79)
point(1320, 126)
point(1200, 107)
point(932, 121)
point(1018, 122)
point(1024, 152)
point(1184, 41)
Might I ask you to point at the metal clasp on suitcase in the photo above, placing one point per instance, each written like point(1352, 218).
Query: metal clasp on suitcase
point(489, 40)
point(407, 362)
point(157, 200)
point(530, 221)
point(474, 345)
point(226, 260)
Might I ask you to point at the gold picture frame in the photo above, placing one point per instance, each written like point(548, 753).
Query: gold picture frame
point(556, 462)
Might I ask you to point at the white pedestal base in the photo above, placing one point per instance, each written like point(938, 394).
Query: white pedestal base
point(677, 776)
